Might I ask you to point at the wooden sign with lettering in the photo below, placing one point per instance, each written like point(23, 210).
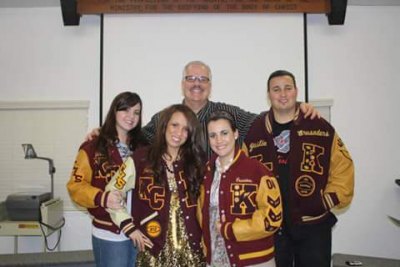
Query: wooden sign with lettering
point(202, 6)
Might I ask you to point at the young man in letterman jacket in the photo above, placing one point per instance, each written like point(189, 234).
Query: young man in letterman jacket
point(314, 170)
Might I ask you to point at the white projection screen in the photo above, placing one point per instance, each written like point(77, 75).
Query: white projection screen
point(146, 53)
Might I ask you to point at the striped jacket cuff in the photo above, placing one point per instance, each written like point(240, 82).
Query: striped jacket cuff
point(101, 199)
point(128, 227)
point(330, 200)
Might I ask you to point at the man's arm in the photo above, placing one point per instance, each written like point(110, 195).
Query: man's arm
point(243, 119)
point(150, 128)
point(92, 134)
point(309, 110)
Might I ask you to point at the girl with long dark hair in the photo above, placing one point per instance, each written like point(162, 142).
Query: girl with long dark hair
point(95, 164)
point(167, 177)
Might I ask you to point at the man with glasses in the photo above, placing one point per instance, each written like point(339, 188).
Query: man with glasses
point(196, 89)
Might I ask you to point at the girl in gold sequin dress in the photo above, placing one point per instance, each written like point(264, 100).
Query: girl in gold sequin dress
point(167, 179)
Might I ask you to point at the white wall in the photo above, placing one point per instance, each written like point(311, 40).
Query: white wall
point(358, 66)
point(146, 53)
point(355, 65)
point(41, 60)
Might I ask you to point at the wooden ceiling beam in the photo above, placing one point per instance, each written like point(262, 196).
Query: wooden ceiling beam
point(202, 6)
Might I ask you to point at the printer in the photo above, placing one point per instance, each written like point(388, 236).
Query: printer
point(25, 206)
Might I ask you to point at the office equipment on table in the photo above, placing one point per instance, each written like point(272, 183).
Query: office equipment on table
point(32, 214)
point(51, 220)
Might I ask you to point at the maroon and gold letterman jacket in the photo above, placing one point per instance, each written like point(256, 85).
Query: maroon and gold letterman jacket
point(321, 168)
point(151, 203)
point(90, 175)
point(250, 200)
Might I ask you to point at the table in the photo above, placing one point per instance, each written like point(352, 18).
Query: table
point(51, 213)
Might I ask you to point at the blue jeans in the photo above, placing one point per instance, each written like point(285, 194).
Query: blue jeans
point(113, 253)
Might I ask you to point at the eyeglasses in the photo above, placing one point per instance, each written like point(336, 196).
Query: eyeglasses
point(201, 79)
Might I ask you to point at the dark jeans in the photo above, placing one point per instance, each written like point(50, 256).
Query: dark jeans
point(305, 245)
point(113, 253)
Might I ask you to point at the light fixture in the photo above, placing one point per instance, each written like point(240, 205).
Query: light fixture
point(31, 154)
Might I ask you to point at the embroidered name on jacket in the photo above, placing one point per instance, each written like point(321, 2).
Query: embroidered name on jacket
point(313, 133)
point(260, 143)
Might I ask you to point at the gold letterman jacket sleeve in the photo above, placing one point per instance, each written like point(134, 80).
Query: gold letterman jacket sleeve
point(79, 185)
point(123, 181)
point(340, 187)
point(267, 218)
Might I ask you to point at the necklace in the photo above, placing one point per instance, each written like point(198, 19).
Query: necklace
point(170, 177)
point(167, 167)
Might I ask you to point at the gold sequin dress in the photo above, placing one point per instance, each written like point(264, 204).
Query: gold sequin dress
point(176, 251)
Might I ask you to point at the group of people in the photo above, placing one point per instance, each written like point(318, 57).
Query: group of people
point(208, 184)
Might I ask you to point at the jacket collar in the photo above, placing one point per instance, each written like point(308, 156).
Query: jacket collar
point(269, 119)
point(239, 154)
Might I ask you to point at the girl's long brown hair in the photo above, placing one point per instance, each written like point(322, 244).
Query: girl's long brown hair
point(191, 152)
point(108, 132)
